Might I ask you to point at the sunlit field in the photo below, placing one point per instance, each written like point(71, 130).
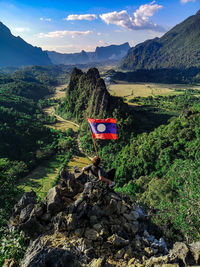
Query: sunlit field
point(130, 90)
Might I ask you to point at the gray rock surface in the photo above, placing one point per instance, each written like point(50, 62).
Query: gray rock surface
point(39, 255)
point(54, 201)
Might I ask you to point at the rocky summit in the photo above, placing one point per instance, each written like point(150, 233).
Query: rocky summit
point(97, 227)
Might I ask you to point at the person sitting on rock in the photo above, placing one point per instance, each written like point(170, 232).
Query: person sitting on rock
point(98, 172)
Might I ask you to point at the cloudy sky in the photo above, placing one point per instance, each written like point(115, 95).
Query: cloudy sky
point(70, 26)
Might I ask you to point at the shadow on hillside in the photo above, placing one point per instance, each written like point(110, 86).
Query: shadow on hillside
point(149, 118)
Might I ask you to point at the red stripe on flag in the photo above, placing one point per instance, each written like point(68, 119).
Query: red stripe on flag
point(104, 136)
point(110, 120)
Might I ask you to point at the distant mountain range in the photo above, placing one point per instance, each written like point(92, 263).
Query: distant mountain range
point(178, 48)
point(14, 51)
point(111, 52)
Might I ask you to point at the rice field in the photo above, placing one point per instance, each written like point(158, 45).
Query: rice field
point(130, 90)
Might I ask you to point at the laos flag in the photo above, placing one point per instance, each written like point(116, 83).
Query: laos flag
point(103, 129)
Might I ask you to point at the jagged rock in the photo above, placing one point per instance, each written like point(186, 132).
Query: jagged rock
point(27, 198)
point(120, 253)
point(9, 263)
point(39, 255)
point(97, 263)
point(179, 251)
point(111, 208)
point(54, 201)
point(86, 224)
point(132, 216)
point(117, 241)
point(26, 212)
point(141, 213)
point(92, 234)
point(157, 261)
point(32, 227)
point(46, 217)
point(71, 222)
point(195, 250)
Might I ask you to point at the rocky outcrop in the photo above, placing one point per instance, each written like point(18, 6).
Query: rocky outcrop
point(103, 229)
point(86, 95)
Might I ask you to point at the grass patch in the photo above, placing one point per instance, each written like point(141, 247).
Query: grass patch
point(80, 161)
point(42, 178)
point(130, 90)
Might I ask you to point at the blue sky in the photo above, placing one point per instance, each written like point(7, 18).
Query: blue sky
point(70, 26)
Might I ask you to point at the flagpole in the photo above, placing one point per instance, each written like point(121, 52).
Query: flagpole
point(95, 147)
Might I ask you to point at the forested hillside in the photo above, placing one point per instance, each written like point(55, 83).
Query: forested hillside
point(178, 48)
point(24, 140)
point(155, 165)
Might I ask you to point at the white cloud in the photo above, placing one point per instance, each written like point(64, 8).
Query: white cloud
point(22, 29)
point(61, 34)
point(139, 21)
point(45, 19)
point(81, 17)
point(186, 1)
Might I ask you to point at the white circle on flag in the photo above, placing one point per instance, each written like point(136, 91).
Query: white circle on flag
point(101, 128)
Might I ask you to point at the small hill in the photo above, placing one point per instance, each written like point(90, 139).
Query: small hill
point(112, 52)
point(178, 48)
point(14, 51)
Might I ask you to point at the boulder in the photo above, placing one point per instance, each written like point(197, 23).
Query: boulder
point(92, 234)
point(195, 250)
point(117, 241)
point(179, 251)
point(27, 198)
point(54, 201)
point(39, 255)
point(26, 212)
point(32, 228)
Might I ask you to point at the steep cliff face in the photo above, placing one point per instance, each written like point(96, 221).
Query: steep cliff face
point(14, 51)
point(86, 95)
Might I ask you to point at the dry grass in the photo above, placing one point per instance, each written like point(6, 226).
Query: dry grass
point(130, 90)
point(78, 161)
point(59, 92)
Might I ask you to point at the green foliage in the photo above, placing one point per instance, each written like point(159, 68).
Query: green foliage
point(161, 75)
point(178, 48)
point(24, 140)
point(12, 245)
point(172, 103)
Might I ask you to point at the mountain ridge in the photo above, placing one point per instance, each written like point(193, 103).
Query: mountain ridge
point(103, 53)
point(178, 48)
point(14, 51)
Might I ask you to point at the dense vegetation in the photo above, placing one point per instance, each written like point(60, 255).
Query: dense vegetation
point(172, 103)
point(178, 48)
point(24, 141)
point(167, 75)
point(156, 166)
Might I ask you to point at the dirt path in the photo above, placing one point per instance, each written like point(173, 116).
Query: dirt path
point(41, 179)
